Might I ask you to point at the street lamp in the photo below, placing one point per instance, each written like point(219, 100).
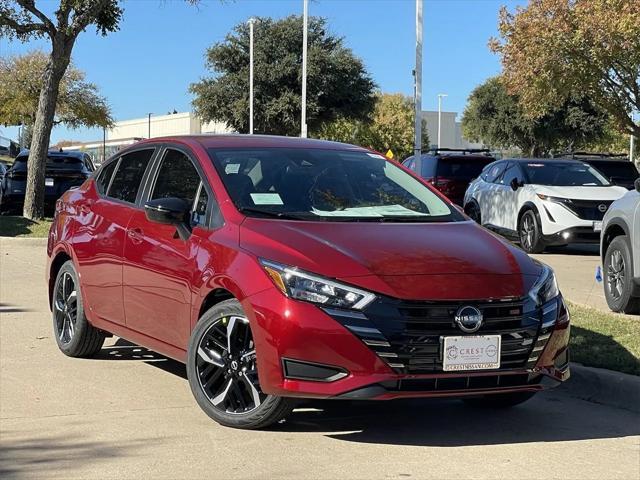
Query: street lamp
point(440, 97)
point(251, 22)
point(417, 147)
point(305, 20)
point(149, 125)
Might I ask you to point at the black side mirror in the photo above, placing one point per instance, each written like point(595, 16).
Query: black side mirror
point(515, 184)
point(170, 211)
point(637, 184)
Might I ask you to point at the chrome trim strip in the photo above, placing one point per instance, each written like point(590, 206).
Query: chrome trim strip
point(396, 365)
point(376, 343)
point(387, 354)
point(364, 330)
point(345, 313)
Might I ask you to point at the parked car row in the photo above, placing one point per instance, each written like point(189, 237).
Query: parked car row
point(63, 170)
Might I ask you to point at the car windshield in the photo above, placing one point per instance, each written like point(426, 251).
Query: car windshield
point(564, 174)
point(318, 184)
point(464, 168)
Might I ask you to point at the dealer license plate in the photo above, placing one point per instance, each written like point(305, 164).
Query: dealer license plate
point(476, 352)
point(48, 182)
point(597, 226)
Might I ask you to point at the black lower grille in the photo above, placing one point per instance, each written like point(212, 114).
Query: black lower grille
point(589, 209)
point(461, 383)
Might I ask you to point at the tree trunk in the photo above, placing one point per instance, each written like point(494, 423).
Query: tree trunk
point(56, 68)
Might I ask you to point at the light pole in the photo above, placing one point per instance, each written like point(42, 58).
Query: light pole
point(305, 20)
point(417, 148)
point(440, 97)
point(251, 22)
point(149, 125)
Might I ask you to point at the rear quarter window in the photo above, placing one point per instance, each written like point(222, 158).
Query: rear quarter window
point(104, 177)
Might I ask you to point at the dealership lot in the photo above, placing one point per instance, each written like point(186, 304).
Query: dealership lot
point(130, 414)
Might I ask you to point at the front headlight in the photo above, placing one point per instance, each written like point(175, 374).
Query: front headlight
point(311, 288)
point(546, 287)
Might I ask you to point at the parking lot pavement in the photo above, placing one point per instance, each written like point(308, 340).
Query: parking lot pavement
point(575, 268)
point(129, 414)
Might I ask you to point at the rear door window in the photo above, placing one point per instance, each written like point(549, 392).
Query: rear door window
point(104, 177)
point(126, 181)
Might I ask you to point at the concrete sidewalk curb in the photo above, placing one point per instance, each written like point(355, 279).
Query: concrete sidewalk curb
point(26, 241)
point(605, 387)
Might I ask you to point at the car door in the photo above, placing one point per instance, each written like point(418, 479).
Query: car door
point(508, 197)
point(486, 193)
point(159, 267)
point(100, 235)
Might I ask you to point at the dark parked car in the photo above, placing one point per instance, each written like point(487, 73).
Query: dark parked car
point(63, 170)
point(285, 267)
point(617, 168)
point(451, 170)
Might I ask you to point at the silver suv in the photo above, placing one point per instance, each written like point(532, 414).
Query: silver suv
point(620, 251)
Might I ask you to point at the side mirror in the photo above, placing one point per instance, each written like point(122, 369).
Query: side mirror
point(515, 184)
point(637, 184)
point(170, 211)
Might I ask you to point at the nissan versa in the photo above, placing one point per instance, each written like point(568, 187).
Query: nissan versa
point(278, 268)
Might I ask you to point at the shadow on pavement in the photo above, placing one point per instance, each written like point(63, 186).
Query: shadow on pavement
point(125, 350)
point(576, 249)
point(450, 423)
point(6, 308)
point(35, 457)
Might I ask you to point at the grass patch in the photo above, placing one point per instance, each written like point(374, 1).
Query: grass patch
point(605, 340)
point(22, 227)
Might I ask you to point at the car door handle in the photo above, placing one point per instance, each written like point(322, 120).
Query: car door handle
point(135, 234)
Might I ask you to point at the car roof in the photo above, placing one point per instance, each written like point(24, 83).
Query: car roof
point(235, 140)
point(543, 160)
point(57, 153)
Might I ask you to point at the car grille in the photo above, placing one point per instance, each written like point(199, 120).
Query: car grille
point(589, 209)
point(408, 336)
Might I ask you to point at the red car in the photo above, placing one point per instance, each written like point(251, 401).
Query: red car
point(278, 268)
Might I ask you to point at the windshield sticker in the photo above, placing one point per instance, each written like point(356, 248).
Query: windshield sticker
point(266, 199)
point(375, 155)
point(232, 168)
point(535, 164)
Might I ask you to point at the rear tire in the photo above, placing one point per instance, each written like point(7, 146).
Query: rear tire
point(221, 367)
point(499, 400)
point(618, 281)
point(473, 210)
point(75, 336)
point(529, 233)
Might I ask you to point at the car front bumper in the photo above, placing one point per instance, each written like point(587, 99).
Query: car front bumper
point(286, 330)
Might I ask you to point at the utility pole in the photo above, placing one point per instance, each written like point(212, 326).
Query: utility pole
point(440, 97)
point(149, 125)
point(305, 21)
point(417, 150)
point(251, 22)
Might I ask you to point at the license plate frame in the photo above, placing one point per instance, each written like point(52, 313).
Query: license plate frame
point(471, 352)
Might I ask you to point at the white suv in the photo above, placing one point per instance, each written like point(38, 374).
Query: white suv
point(541, 202)
point(620, 249)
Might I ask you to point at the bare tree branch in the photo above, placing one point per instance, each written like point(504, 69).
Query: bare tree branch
point(30, 6)
point(23, 28)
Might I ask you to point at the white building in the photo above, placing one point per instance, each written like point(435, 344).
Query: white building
point(451, 131)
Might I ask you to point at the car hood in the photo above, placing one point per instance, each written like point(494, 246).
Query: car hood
point(407, 260)
point(582, 193)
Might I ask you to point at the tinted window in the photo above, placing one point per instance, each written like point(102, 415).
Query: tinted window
point(104, 177)
point(462, 168)
point(410, 163)
point(493, 171)
point(512, 172)
point(317, 184)
point(128, 176)
point(563, 174)
point(429, 166)
point(200, 208)
point(177, 178)
point(617, 170)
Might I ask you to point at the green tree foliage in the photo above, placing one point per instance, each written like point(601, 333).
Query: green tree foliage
point(553, 50)
point(337, 82)
point(389, 127)
point(79, 102)
point(496, 118)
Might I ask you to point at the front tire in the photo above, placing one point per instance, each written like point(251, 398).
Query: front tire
point(221, 367)
point(530, 233)
point(618, 287)
point(499, 400)
point(75, 336)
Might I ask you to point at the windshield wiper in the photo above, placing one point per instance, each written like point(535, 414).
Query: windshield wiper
point(269, 213)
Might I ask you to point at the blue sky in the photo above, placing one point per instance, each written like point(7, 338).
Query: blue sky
point(148, 65)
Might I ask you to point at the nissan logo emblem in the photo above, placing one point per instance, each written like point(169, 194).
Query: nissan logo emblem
point(602, 207)
point(468, 319)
